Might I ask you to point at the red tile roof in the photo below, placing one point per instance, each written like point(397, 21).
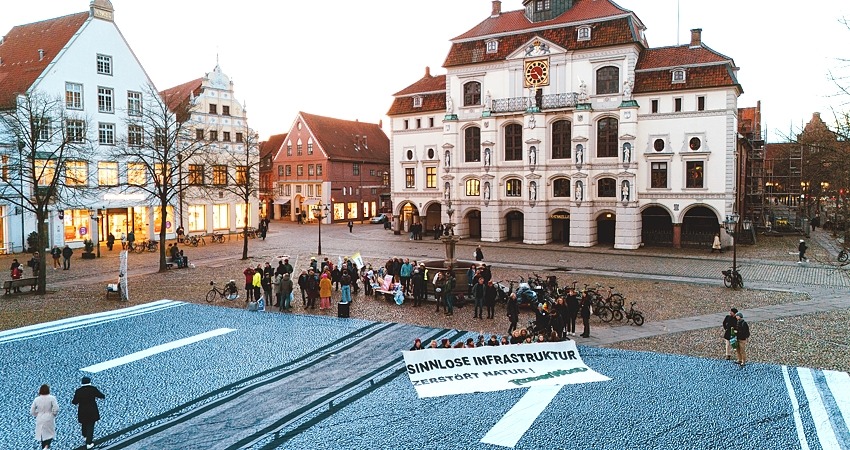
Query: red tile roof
point(430, 103)
point(612, 32)
point(512, 21)
point(696, 78)
point(428, 83)
point(337, 137)
point(272, 145)
point(178, 96)
point(679, 56)
point(20, 65)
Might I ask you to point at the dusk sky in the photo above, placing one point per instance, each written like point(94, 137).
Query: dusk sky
point(345, 59)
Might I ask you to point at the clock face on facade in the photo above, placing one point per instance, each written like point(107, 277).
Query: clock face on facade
point(537, 73)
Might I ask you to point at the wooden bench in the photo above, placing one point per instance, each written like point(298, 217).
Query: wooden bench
point(169, 262)
point(8, 285)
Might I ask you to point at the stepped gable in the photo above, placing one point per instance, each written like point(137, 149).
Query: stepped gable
point(337, 138)
point(432, 89)
point(20, 62)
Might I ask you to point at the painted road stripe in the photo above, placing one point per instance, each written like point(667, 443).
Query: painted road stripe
point(513, 425)
point(155, 350)
point(839, 384)
point(798, 421)
point(842, 434)
point(820, 416)
point(72, 323)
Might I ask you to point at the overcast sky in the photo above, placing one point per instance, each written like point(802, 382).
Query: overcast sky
point(345, 59)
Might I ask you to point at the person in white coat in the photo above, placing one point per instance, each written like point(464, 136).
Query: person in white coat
point(45, 408)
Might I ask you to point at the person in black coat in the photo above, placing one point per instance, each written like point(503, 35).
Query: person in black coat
point(110, 241)
point(513, 312)
point(573, 306)
point(85, 397)
point(742, 331)
point(419, 287)
point(66, 257)
point(490, 300)
point(302, 283)
point(479, 255)
point(584, 306)
point(729, 323)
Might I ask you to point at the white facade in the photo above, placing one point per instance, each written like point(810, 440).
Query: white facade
point(221, 121)
point(526, 191)
point(98, 62)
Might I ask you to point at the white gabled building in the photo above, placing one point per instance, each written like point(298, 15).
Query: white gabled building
point(83, 59)
point(559, 123)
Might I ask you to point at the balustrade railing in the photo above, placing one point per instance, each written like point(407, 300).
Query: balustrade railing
point(550, 101)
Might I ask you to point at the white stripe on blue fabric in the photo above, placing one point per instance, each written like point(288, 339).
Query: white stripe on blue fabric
point(513, 425)
point(820, 416)
point(798, 422)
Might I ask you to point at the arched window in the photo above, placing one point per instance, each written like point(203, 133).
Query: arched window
point(472, 94)
point(607, 187)
point(562, 136)
point(561, 187)
point(513, 188)
point(472, 144)
point(513, 142)
point(606, 138)
point(607, 80)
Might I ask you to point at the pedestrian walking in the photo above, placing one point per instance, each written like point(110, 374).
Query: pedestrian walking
point(715, 246)
point(124, 241)
point(479, 254)
point(802, 250)
point(67, 252)
point(729, 323)
point(350, 226)
point(742, 332)
point(56, 253)
point(131, 238)
point(45, 408)
point(110, 241)
point(85, 397)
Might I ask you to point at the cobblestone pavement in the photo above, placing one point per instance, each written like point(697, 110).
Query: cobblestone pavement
point(767, 266)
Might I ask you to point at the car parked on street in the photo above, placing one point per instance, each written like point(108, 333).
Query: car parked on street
point(380, 218)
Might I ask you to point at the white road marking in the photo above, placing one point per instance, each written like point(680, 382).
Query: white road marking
point(798, 422)
point(72, 323)
point(155, 350)
point(513, 425)
point(839, 384)
point(826, 435)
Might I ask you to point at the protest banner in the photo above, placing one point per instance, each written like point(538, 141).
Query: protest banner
point(438, 372)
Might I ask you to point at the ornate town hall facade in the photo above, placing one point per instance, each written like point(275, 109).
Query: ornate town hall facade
point(558, 122)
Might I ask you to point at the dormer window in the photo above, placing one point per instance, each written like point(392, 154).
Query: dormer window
point(417, 102)
point(679, 75)
point(583, 34)
point(492, 46)
point(542, 5)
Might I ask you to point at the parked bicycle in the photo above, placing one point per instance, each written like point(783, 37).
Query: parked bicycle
point(610, 298)
point(218, 237)
point(631, 315)
point(194, 240)
point(843, 256)
point(146, 245)
point(229, 293)
point(732, 279)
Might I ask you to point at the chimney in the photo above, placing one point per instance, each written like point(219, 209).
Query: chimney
point(380, 123)
point(427, 72)
point(497, 8)
point(40, 54)
point(696, 37)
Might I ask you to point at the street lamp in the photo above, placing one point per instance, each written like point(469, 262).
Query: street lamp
point(320, 214)
point(95, 215)
point(731, 225)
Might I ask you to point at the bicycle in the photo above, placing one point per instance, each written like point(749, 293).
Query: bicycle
point(631, 315)
point(218, 237)
point(229, 293)
point(843, 256)
point(732, 278)
point(194, 240)
point(614, 299)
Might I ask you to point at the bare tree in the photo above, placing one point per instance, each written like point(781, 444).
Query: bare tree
point(159, 136)
point(46, 148)
point(234, 170)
